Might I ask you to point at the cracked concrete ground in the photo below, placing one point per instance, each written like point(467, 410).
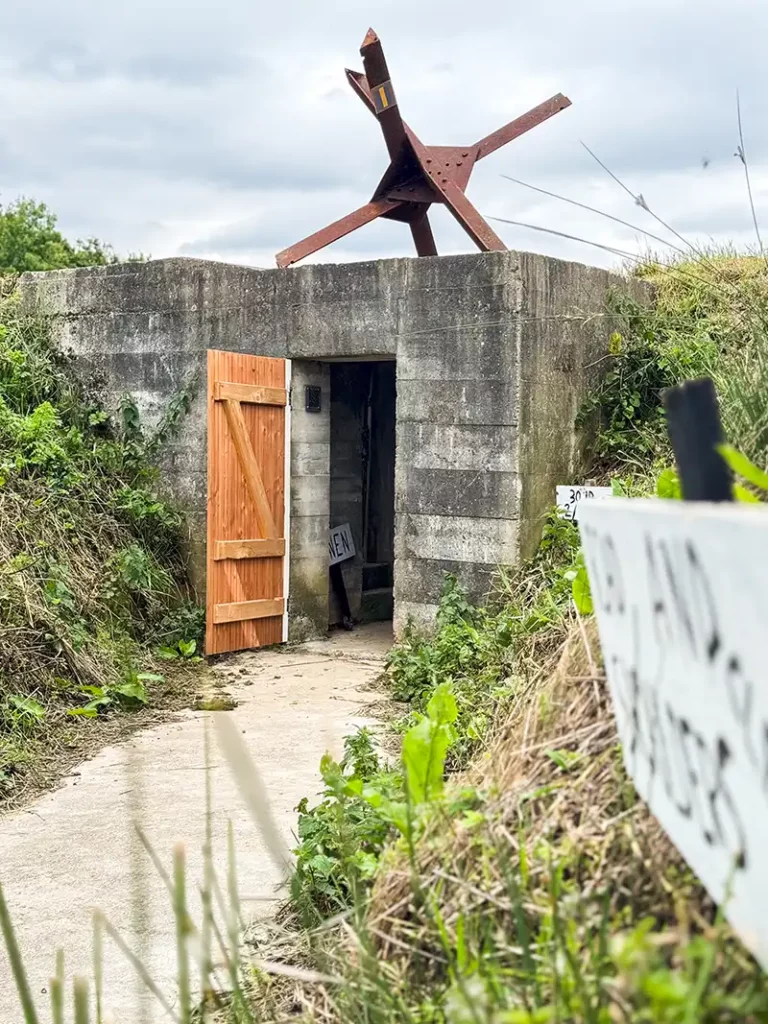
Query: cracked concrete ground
point(74, 849)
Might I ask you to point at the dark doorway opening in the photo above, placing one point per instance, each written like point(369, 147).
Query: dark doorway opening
point(363, 483)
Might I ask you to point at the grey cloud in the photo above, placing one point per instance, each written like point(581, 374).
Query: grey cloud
point(238, 114)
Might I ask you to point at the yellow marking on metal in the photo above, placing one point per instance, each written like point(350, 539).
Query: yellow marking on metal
point(383, 95)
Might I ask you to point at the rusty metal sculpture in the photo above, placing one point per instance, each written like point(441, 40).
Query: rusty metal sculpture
point(418, 175)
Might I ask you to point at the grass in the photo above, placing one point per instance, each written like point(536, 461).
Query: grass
point(92, 579)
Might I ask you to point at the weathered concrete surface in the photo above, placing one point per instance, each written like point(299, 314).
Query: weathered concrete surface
point(72, 850)
point(495, 353)
point(310, 498)
point(498, 355)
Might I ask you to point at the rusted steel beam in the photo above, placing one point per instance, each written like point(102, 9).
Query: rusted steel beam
point(522, 124)
point(334, 231)
point(360, 86)
point(423, 239)
point(382, 93)
point(418, 175)
point(478, 229)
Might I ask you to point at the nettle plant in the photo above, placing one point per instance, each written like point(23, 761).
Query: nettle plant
point(366, 803)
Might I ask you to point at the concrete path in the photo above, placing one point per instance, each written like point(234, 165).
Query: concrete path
point(74, 849)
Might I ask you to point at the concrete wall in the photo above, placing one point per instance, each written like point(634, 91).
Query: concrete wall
point(310, 498)
point(494, 354)
point(380, 541)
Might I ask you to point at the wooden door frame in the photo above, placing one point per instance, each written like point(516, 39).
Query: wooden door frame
point(287, 497)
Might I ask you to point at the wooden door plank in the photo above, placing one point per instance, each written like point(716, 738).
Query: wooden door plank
point(260, 547)
point(256, 394)
point(239, 611)
point(250, 467)
point(234, 518)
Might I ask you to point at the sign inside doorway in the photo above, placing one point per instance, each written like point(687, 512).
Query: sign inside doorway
point(341, 546)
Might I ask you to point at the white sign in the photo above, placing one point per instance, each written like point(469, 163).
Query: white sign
point(340, 544)
point(568, 498)
point(681, 596)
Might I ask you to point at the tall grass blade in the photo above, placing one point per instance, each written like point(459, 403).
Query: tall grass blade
point(82, 1009)
point(57, 990)
point(594, 209)
point(742, 154)
point(98, 961)
point(141, 971)
point(251, 788)
point(640, 201)
point(207, 889)
point(141, 910)
point(156, 862)
point(182, 931)
point(17, 965)
point(233, 916)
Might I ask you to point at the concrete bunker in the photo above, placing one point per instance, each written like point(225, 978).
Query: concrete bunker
point(485, 360)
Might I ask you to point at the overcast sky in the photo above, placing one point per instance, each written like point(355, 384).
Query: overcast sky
point(226, 129)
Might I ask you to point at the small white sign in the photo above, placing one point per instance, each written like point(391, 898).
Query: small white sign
point(569, 496)
point(340, 544)
point(681, 596)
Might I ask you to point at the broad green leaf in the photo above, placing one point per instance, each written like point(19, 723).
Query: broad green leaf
point(86, 712)
point(618, 490)
point(668, 484)
point(741, 493)
point(28, 706)
point(168, 653)
point(366, 863)
point(132, 690)
point(322, 865)
point(330, 771)
point(424, 750)
point(442, 705)
point(187, 647)
point(150, 677)
point(564, 759)
point(354, 787)
point(582, 592)
point(740, 464)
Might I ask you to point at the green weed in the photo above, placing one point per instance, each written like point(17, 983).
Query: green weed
point(91, 574)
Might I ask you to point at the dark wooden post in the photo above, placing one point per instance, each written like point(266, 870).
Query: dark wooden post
point(695, 430)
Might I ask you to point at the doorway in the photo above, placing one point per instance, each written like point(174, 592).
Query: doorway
point(362, 483)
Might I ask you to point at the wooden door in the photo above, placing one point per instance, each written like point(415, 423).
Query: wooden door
point(248, 438)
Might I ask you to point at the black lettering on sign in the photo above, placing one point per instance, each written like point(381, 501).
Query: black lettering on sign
point(680, 612)
point(706, 610)
point(664, 745)
point(659, 616)
point(740, 697)
point(605, 577)
point(684, 613)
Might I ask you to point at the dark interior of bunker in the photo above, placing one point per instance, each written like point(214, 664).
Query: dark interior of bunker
point(363, 483)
